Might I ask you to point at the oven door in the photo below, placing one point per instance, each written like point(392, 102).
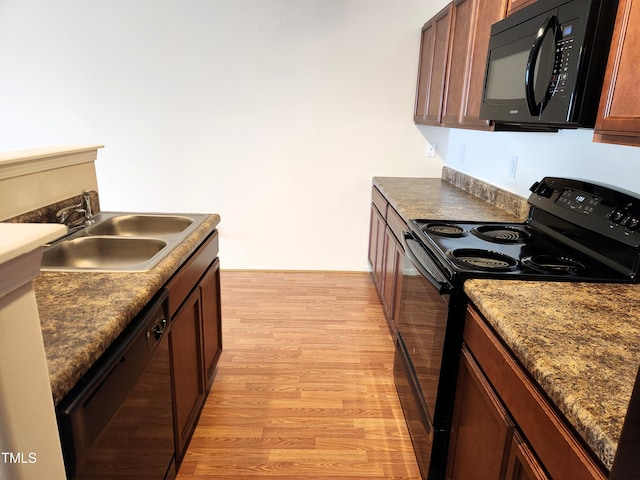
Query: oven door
point(419, 370)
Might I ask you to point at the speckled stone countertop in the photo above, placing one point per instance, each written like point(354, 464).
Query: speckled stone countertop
point(82, 313)
point(434, 198)
point(581, 343)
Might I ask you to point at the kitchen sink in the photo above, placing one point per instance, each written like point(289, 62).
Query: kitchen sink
point(120, 242)
point(98, 253)
point(141, 225)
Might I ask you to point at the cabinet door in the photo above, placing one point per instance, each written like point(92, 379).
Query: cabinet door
point(481, 429)
point(515, 5)
point(392, 265)
point(376, 246)
point(487, 13)
point(561, 453)
point(618, 118)
point(211, 320)
point(523, 465)
point(186, 370)
point(434, 51)
point(470, 31)
point(461, 29)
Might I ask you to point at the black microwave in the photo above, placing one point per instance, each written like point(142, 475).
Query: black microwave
point(546, 64)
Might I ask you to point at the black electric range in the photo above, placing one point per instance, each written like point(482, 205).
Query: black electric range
point(576, 231)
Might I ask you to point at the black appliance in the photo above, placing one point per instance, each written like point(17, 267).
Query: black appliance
point(575, 231)
point(626, 463)
point(546, 64)
point(117, 422)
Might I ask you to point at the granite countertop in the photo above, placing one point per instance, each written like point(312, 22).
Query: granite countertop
point(82, 313)
point(579, 341)
point(437, 199)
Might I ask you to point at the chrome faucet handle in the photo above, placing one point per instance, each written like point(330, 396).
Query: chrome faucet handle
point(83, 208)
point(63, 214)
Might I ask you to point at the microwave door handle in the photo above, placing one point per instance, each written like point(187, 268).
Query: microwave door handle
point(550, 23)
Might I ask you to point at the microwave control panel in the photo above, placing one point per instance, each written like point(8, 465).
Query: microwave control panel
point(564, 50)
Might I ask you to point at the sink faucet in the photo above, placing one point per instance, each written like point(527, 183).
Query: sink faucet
point(66, 215)
point(86, 201)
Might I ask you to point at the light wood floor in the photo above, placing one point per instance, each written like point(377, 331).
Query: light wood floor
point(304, 388)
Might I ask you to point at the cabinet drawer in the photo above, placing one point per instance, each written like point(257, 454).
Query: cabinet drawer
point(187, 277)
point(559, 451)
point(379, 201)
point(396, 223)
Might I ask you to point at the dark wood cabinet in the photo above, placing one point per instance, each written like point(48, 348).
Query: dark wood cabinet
point(618, 118)
point(434, 51)
point(187, 370)
point(485, 14)
point(551, 448)
point(523, 465)
point(461, 30)
point(515, 5)
point(471, 24)
point(392, 265)
point(377, 227)
point(481, 429)
point(467, 24)
point(386, 254)
point(211, 321)
point(195, 338)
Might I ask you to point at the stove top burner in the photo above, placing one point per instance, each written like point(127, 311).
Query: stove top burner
point(502, 233)
point(553, 264)
point(482, 259)
point(444, 230)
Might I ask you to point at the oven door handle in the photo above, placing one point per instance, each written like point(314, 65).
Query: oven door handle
point(413, 250)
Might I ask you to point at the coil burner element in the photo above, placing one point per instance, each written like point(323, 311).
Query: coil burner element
point(482, 259)
point(502, 233)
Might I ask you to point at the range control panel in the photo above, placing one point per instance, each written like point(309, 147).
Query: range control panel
point(599, 208)
point(578, 201)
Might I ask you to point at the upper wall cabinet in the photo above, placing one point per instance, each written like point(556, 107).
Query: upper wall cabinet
point(619, 112)
point(434, 50)
point(453, 58)
point(470, 30)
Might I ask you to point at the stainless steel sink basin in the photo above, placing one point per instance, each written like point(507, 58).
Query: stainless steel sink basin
point(98, 253)
point(141, 225)
point(120, 241)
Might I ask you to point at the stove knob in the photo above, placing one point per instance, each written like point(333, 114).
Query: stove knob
point(542, 189)
point(616, 216)
point(633, 223)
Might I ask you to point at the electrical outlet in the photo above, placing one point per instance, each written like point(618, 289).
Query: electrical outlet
point(432, 148)
point(463, 149)
point(513, 166)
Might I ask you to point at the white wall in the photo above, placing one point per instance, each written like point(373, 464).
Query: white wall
point(273, 113)
point(567, 153)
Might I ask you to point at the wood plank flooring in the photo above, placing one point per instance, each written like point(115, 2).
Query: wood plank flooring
point(304, 388)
